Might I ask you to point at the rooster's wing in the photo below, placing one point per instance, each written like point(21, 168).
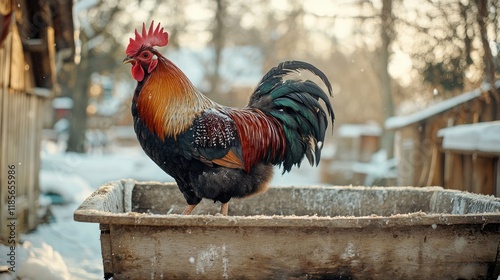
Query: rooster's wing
point(215, 139)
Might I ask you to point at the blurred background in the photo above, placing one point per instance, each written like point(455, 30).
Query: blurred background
point(416, 95)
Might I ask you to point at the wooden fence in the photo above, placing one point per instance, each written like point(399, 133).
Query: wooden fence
point(422, 160)
point(33, 35)
point(20, 139)
point(21, 111)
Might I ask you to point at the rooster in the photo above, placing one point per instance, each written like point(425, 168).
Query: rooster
point(217, 152)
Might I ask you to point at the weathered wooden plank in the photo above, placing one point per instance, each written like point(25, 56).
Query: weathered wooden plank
point(453, 177)
point(106, 252)
point(20, 144)
point(483, 174)
point(419, 252)
point(21, 106)
point(17, 65)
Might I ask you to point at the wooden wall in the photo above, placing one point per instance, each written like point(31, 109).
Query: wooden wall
point(21, 111)
point(473, 172)
point(423, 162)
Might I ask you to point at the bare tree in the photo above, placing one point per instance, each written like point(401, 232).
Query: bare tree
point(447, 36)
point(489, 69)
point(218, 43)
point(387, 35)
point(384, 20)
point(77, 88)
point(93, 37)
point(482, 19)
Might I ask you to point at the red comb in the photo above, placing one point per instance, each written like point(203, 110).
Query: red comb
point(150, 38)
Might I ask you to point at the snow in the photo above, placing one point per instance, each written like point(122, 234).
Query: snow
point(402, 121)
point(43, 263)
point(96, 169)
point(62, 103)
point(52, 180)
point(40, 262)
point(357, 130)
point(379, 167)
point(65, 249)
point(479, 137)
point(123, 132)
point(77, 243)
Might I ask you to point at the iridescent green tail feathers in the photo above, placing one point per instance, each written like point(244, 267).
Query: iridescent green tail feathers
point(295, 104)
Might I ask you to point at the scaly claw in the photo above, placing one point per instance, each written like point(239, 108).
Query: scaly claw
point(188, 209)
point(224, 208)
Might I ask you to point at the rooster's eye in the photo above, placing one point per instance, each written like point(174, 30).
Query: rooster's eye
point(145, 54)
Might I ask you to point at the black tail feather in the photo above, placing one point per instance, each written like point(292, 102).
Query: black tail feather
point(287, 67)
point(296, 105)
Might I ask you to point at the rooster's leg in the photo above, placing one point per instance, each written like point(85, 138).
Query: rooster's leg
point(224, 208)
point(188, 209)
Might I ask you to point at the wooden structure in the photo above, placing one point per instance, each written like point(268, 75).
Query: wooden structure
point(34, 36)
point(422, 161)
point(472, 157)
point(296, 233)
point(356, 143)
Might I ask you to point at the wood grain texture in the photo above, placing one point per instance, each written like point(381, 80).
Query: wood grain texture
point(297, 233)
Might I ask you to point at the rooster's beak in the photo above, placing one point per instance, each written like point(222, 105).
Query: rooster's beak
point(128, 59)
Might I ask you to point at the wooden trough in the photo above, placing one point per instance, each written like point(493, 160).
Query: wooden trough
point(297, 233)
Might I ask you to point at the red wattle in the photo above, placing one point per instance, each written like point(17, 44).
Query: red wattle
point(137, 72)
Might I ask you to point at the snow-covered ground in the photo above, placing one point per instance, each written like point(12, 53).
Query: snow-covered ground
point(65, 249)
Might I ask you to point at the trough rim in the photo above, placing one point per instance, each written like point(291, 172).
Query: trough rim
point(176, 220)
point(86, 212)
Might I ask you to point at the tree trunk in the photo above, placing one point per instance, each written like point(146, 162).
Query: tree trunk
point(78, 119)
point(489, 66)
point(218, 43)
point(387, 140)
